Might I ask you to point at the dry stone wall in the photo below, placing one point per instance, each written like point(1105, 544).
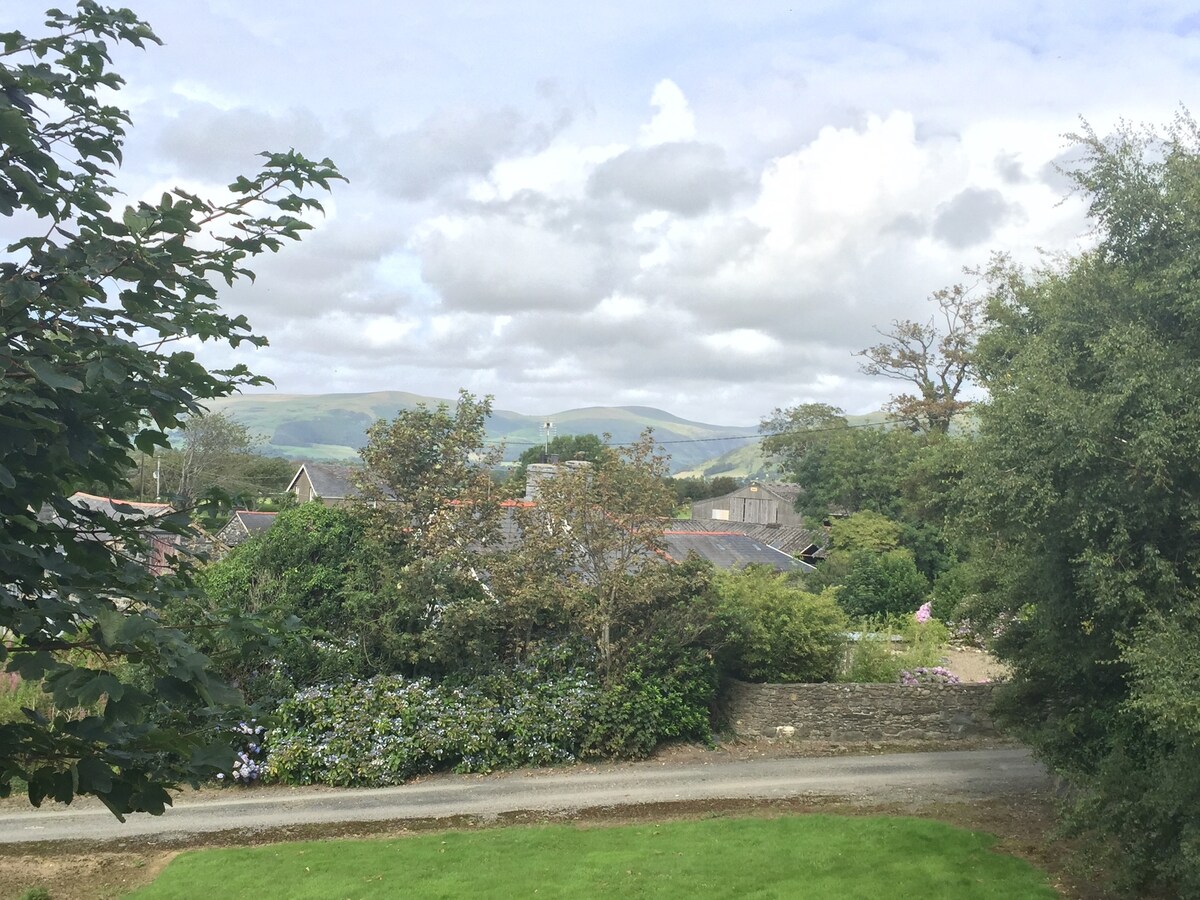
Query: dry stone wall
point(858, 712)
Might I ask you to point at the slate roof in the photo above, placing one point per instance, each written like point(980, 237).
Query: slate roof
point(255, 522)
point(791, 539)
point(120, 509)
point(508, 536)
point(729, 550)
point(329, 482)
point(115, 509)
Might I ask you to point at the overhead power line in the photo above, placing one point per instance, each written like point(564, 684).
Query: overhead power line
point(732, 437)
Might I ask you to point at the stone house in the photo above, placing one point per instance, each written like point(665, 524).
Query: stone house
point(331, 484)
point(244, 525)
point(163, 546)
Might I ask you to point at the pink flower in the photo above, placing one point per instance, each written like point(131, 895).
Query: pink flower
point(925, 613)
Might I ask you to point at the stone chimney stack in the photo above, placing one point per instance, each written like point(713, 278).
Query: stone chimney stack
point(536, 473)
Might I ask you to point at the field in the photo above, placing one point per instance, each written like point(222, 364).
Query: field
point(812, 856)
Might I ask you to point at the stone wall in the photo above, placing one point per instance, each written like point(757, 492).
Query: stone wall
point(857, 712)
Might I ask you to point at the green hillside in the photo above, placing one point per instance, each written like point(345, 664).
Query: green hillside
point(747, 461)
point(333, 426)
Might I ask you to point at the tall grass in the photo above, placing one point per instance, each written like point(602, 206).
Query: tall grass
point(887, 646)
point(16, 693)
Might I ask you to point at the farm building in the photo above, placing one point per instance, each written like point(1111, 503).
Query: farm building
point(757, 503)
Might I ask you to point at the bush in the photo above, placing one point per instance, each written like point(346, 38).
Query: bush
point(886, 647)
point(654, 701)
point(882, 584)
point(871, 659)
point(388, 729)
point(248, 768)
point(781, 633)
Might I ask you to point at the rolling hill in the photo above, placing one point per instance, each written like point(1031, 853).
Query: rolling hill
point(747, 461)
point(333, 426)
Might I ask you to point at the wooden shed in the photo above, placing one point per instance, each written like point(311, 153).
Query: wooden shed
point(757, 503)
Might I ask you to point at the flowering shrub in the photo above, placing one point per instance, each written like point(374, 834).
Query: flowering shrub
point(928, 675)
point(973, 634)
point(964, 633)
point(388, 729)
point(248, 766)
point(925, 613)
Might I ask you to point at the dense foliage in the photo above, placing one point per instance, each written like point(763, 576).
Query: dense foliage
point(432, 513)
point(213, 459)
point(387, 729)
point(1085, 495)
point(302, 577)
point(781, 632)
point(97, 308)
point(425, 592)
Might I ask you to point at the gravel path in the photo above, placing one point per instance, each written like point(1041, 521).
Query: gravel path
point(897, 777)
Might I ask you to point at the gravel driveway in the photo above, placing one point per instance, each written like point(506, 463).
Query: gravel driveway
point(887, 778)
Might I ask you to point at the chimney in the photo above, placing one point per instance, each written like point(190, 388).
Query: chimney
point(536, 473)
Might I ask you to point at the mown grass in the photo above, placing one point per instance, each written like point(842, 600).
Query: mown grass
point(809, 856)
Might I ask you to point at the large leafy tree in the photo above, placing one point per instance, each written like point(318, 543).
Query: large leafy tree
point(599, 529)
point(299, 576)
point(842, 468)
point(432, 509)
point(216, 454)
point(1085, 493)
point(935, 358)
point(98, 306)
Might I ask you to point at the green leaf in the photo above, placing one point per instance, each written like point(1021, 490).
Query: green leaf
point(103, 683)
point(50, 376)
point(216, 756)
point(94, 776)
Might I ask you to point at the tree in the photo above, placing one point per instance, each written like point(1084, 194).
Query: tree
point(214, 471)
point(589, 447)
point(886, 584)
point(935, 357)
point(1084, 493)
point(299, 576)
point(97, 307)
point(842, 468)
point(432, 510)
point(602, 527)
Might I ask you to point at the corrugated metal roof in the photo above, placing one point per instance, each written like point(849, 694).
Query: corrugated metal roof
point(791, 539)
point(730, 550)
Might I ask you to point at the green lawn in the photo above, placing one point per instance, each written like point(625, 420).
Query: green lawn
point(799, 856)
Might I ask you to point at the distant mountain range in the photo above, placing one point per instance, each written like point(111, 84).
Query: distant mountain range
point(333, 426)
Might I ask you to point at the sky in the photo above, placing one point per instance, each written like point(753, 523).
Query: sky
point(705, 207)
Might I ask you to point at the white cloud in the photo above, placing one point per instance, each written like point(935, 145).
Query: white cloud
point(673, 119)
point(520, 221)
